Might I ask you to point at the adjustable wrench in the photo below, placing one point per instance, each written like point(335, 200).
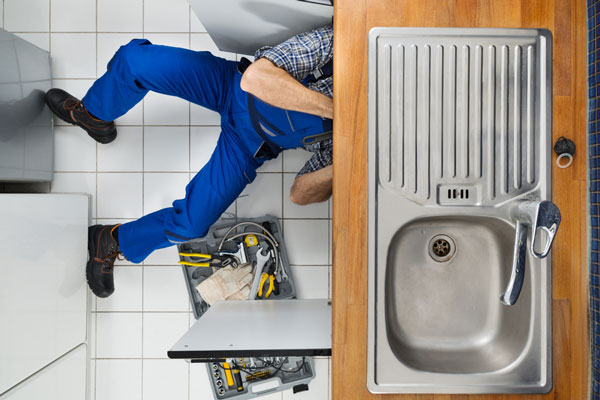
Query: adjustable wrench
point(261, 260)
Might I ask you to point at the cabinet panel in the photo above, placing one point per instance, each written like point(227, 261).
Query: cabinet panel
point(65, 379)
point(43, 302)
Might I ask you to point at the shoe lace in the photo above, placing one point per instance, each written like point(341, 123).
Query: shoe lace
point(108, 262)
point(72, 104)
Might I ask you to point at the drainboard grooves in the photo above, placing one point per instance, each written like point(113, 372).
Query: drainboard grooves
point(504, 119)
point(476, 113)
point(437, 111)
point(386, 157)
point(516, 154)
point(411, 119)
point(451, 114)
point(424, 139)
point(401, 85)
point(462, 129)
point(385, 112)
point(457, 113)
point(396, 145)
point(491, 121)
point(530, 115)
point(392, 107)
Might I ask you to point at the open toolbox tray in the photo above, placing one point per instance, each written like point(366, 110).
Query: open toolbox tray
point(209, 244)
point(275, 373)
point(260, 376)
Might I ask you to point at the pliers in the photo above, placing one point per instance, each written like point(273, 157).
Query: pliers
point(268, 284)
point(208, 260)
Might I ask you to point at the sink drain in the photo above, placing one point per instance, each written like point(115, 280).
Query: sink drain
point(442, 248)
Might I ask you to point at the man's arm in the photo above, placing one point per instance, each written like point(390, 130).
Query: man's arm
point(312, 187)
point(277, 87)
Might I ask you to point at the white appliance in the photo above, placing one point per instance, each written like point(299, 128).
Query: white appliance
point(243, 26)
point(44, 301)
point(26, 127)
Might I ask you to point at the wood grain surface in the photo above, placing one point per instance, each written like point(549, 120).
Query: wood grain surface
point(353, 19)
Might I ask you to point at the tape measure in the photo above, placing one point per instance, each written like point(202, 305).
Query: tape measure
point(251, 240)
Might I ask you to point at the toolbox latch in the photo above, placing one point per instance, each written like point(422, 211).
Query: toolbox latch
point(300, 388)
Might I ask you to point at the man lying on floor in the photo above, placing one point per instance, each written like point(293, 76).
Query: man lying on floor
point(279, 102)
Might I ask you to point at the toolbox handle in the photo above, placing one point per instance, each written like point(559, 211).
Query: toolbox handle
point(267, 386)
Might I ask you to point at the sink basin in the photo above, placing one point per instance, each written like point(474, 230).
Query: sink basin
point(459, 134)
point(442, 313)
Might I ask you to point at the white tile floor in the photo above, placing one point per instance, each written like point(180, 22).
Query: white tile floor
point(162, 143)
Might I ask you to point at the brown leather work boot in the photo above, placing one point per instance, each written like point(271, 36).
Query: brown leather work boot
point(103, 250)
point(71, 110)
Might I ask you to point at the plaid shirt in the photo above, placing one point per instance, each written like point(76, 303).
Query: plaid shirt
point(300, 56)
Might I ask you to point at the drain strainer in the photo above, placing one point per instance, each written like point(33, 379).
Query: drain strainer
point(441, 248)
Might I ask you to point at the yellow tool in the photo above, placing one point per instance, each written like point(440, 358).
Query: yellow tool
point(270, 286)
point(228, 375)
point(207, 260)
point(258, 375)
point(239, 384)
point(251, 240)
point(196, 255)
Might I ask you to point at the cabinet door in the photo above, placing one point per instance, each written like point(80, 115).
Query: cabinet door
point(64, 379)
point(43, 301)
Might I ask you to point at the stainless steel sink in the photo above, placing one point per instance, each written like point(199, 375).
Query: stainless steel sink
point(459, 146)
point(461, 327)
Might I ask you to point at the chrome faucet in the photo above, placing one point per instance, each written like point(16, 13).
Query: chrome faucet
point(539, 215)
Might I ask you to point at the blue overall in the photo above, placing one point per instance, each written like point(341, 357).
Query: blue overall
point(214, 83)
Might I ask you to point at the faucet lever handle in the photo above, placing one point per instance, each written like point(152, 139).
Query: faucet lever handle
point(547, 219)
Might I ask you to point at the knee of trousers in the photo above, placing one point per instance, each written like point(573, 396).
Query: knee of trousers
point(129, 56)
point(185, 224)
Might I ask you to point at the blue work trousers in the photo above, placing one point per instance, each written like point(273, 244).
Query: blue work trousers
point(203, 79)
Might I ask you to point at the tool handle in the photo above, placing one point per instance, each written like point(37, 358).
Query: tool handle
point(197, 255)
point(193, 264)
point(238, 380)
point(228, 375)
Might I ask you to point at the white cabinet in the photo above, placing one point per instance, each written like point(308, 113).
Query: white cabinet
point(64, 379)
point(44, 297)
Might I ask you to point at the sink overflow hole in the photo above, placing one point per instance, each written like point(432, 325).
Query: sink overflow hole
point(442, 248)
point(458, 194)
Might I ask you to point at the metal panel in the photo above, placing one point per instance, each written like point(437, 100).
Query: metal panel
point(457, 118)
point(43, 301)
point(243, 26)
point(64, 379)
point(274, 328)
point(457, 111)
point(26, 126)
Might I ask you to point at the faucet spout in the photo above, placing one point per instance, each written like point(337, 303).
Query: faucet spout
point(517, 276)
point(541, 216)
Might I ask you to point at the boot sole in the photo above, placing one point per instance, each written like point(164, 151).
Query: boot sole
point(104, 139)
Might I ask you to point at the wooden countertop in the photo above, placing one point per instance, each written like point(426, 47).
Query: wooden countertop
point(353, 19)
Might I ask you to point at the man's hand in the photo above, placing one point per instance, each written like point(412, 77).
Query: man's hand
point(277, 87)
point(313, 187)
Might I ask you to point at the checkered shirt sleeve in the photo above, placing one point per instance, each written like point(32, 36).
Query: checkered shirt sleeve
point(301, 54)
point(321, 158)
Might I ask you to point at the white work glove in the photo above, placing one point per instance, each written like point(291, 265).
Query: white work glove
point(227, 284)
